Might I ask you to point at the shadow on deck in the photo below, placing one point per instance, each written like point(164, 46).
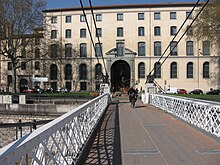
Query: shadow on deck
point(104, 146)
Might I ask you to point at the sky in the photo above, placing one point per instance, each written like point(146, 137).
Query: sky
point(52, 4)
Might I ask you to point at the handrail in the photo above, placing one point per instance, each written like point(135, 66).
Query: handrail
point(203, 114)
point(61, 140)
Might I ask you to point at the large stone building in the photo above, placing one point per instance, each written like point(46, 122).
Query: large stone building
point(133, 39)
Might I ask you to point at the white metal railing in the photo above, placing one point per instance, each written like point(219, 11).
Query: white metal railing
point(203, 114)
point(60, 141)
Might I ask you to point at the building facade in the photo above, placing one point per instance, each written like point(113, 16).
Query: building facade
point(133, 40)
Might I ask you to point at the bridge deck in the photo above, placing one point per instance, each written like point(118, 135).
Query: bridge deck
point(146, 135)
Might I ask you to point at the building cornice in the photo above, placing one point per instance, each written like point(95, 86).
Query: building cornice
point(122, 6)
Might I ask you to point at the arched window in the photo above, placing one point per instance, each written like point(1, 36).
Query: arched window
point(189, 70)
point(141, 48)
point(120, 32)
point(68, 50)
point(83, 72)
point(206, 48)
point(141, 70)
point(53, 50)
point(173, 70)
point(173, 30)
point(68, 72)
point(157, 48)
point(206, 70)
point(173, 48)
point(189, 48)
point(53, 72)
point(140, 31)
point(157, 70)
point(98, 71)
point(83, 50)
point(157, 31)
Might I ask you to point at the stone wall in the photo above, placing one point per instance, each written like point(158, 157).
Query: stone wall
point(12, 113)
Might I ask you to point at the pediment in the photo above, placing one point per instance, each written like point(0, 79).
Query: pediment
point(113, 51)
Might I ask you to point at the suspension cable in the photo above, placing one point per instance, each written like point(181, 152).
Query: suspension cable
point(91, 8)
point(184, 34)
point(90, 33)
point(175, 37)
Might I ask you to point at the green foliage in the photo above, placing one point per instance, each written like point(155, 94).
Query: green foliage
point(207, 25)
point(202, 97)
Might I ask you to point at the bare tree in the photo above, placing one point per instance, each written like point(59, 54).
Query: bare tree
point(61, 53)
point(18, 21)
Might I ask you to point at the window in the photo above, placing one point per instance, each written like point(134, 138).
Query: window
point(9, 79)
point(82, 18)
point(120, 48)
point(206, 48)
point(68, 86)
point(53, 72)
point(23, 65)
point(141, 70)
point(189, 15)
point(37, 53)
point(9, 65)
point(98, 72)
point(189, 70)
point(141, 31)
point(68, 33)
point(68, 19)
point(157, 16)
point(54, 19)
point(99, 32)
point(68, 72)
point(173, 48)
point(206, 70)
point(83, 50)
point(37, 65)
point(120, 32)
point(82, 33)
point(53, 34)
point(141, 49)
point(53, 86)
point(172, 15)
point(157, 31)
point(98, 49)
point(157, 48)
point(140, 16)
point(83, 86)
point(23, 53)
point(157, 70)
point(189, 31)
point(189, 48)
point(37, 41)
point(83, 72)
point(173, 70)
point(68, 50)
point(120, 16)
point(173, 30)
point(98, 17)
point(53, 50)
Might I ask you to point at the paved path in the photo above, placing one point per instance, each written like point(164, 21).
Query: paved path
point(145, 135)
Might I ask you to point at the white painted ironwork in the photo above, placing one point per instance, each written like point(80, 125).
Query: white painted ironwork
point(203, 114)
point(59, 142)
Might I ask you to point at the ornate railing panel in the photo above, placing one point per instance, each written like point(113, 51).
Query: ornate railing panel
point(60, 141)
point(205, 115)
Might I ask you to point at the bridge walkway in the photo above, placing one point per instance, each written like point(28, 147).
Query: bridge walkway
point(146, 135)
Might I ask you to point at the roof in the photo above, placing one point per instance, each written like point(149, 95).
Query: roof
point(123, 6)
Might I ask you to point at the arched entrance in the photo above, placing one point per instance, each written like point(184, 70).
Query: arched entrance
point(23, 84)
point(120, 76)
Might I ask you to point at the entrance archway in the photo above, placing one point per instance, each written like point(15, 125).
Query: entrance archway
point(120, 76)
